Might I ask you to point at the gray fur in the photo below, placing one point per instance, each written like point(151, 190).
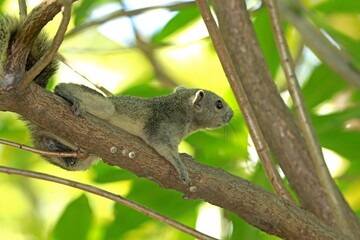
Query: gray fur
point(8, 28)
point(162, 122)
point(41, 138)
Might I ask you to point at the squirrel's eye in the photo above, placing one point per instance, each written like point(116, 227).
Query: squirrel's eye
point(219, 104)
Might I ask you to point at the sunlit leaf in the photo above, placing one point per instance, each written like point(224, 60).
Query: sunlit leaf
point(336, 6)
point(333, 135)
point(106, 174)
point(179, 21)
point(321, 86)
point(169, 203)
point(75, 222)
point(82, 10)
point(266, 39)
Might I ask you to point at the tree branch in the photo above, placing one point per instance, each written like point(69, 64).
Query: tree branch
point(105, 194)
point(96, 84)
point(24, 39)
point(318, 43)
point(249, 201)
point(50, 54)
point(275, 120)
point(22, 9)
point(75, 154)
point(344, 217)
point(121, 13)
point(254, 129)
point(148, 52)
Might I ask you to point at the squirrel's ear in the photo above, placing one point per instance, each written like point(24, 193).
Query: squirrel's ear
point(179, 88)
point(199, 95)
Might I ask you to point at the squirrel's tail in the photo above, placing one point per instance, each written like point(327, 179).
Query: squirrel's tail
point(9, 26)
point(41, 138)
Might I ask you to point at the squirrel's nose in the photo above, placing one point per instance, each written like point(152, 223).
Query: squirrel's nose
point(228, 116)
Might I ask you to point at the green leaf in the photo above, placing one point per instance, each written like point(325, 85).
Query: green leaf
point(321, 86)
point(126, 219)
point(83, 9)
point(106, 174)
point(266, 39)
point(241, 228)
point(332, 135)
point(145, 89)
point(345, 41)
point(75, 222)
point(214, 150)
point(178, 22)
point(169, 203)
point(337, 6)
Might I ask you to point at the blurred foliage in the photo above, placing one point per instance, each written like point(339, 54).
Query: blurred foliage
point(109, 54)
point(78, 213)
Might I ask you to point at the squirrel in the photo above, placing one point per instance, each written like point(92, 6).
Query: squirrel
point(41, 138)
point(162, 122)
point(9, 26)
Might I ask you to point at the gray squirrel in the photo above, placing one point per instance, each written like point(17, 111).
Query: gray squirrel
point(8, 28)
point(162, 122)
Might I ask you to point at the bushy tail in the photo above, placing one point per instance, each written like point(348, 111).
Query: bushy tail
point(8, 27)
point(41, 138)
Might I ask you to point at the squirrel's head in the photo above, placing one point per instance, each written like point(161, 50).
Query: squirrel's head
point(210, 110)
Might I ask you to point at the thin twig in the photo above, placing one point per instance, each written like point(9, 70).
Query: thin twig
point(79, 154)
point(105, 194)
point(254, 130)
point(148, 52)
point(332, 194)
point(95, 84)
point(59, 37)
point(319, 44)
point(121, 13)
point(22, 9)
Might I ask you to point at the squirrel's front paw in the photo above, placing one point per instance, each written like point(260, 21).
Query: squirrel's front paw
point(78, 109)
point(184, 177)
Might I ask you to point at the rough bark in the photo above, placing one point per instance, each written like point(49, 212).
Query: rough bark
point(24, 39)
point(254, 204)
point(276, 122)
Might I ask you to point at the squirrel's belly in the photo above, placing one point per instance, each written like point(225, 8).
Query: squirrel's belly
point(133, 126)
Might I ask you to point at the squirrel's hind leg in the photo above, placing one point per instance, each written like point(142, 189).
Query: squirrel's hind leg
point(45, 140)
point(85, 99)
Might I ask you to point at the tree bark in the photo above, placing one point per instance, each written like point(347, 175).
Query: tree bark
point(255, 205)
point(276, 122)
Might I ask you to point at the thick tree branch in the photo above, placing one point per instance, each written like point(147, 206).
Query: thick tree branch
point(50, 54)
point(343, 215)
point(276, 122)
point(239, 92)
point(24, 39)
point(251, 202)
